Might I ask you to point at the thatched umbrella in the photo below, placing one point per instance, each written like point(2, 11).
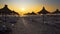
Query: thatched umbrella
point(31, 13)
point(8, 20)
point(6, 11)
point(56, 12)
point(43, 11)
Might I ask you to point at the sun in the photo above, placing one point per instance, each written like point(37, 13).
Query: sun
point(23, 9)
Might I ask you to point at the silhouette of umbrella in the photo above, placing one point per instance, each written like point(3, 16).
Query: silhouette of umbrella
point(31, 13)
point(6, 11)
point(43, 11)
point(56, 12)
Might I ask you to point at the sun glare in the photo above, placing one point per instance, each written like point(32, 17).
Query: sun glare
point(23, 9)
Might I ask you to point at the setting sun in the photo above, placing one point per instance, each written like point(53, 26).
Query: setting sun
point(25, 6)
point(22, 9)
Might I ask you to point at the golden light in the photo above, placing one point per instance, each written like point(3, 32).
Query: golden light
point(22, 9)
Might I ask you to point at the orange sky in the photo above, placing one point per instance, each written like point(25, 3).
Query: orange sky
point(26, 10)
point(25, 6)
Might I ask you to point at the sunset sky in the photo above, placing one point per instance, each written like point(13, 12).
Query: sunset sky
point(24, 6)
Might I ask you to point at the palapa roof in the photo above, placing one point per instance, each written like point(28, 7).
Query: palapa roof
point(56, 12)
point(31, 13)
point(5, 10)
point(43, 11)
